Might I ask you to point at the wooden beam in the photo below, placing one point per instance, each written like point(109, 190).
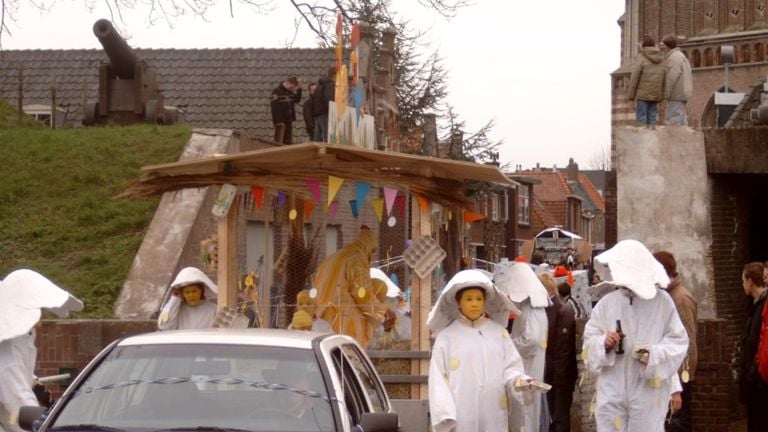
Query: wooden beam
point(227, 270)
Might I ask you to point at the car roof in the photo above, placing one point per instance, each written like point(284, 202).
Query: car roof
point(228, 336)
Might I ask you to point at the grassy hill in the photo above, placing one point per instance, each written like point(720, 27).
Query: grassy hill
point(57, 212)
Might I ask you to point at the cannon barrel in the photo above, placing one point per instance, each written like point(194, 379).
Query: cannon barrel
point(122, 58)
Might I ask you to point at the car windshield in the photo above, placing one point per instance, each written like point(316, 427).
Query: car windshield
point(201, 387)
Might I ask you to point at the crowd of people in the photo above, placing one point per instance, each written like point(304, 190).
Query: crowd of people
point(288, 94)
point(660, 74)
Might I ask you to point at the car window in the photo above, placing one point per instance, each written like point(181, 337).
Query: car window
point(376, 393)
point(160, 387)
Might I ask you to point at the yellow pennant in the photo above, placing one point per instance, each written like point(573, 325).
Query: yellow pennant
point(334, 184)
point(378, 207)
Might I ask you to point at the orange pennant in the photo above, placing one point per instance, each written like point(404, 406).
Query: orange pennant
point(470, 217)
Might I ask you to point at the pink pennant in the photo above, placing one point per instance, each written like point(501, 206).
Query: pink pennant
point(389, 198)
point(313, 184)
point(332, 208)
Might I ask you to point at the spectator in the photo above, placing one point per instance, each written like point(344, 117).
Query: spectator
point(646, 83)
point(753, 389)
point(307, 113)
point(678, 86)
point(564, 289)
point(283, 99)
point(324, 93)
point(634, 342)
point(473, 359)
point(687, 308)
point(560, 364)
point(191, 304)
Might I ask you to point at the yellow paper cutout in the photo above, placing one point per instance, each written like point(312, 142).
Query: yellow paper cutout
point(334, 184)
point(378, 207)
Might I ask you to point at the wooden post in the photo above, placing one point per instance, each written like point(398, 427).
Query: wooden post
point(227, 271)
point(421, 302)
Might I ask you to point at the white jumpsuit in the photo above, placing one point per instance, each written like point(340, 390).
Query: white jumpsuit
point(632, 397)
point(177, 315)
point(529, 334)
point(17, 363)
point(470, 365)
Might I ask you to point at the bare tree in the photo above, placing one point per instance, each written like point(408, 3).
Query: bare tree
point(475, 147)
point(600, 159)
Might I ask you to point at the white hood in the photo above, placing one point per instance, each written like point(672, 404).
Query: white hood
point(191, 275)
point(446, 309)
point(24, 292)
point(631, 265)
point(518, 281)
point(392, 289)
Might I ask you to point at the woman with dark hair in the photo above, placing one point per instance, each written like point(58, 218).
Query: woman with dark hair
point(753, 390)
point(646, 83)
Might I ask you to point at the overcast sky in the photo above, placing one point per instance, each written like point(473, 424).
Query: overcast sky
point(540, 69)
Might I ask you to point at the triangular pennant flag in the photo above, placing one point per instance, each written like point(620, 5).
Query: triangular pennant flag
point(378, 207)
point(309, 206)
point(361, 190)
point(334, 184)
point(281, 198)
point(313, 184)
point(353, 206)
point(472, 217)
point(258, 195)
point(332, 208)
point(389, 198)
point(400, 205)
point(423, 203)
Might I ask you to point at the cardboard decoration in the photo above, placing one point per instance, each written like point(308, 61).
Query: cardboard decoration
point(224, 200)
point(334, 184)
point(378, 207)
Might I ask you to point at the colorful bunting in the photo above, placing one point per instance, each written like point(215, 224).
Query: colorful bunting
point(258, 195)
point(281, 198)
point(313, 184)
point(423, 203)
point(309, 206)
point(389, 198)
point(353, 205)
point(361, 190)
point(470, 217)
point(400, 206)
point(378, 207)
point(332, 208)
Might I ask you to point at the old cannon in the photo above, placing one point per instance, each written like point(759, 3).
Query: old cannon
point(128, 87)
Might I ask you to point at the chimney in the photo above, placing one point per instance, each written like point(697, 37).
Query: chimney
point(456, 150)
point(537, 166)
point(573, 170)
point(429, 143)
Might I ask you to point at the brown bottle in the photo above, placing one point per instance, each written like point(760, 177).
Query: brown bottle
point(620, 345)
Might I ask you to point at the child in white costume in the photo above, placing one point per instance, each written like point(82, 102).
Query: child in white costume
point(192, 303)
point(473, 359)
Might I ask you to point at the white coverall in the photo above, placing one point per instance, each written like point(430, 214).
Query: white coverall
point(632, 397)
point(529, 334)
point(471, 363)
point(17, 363)
point(177, 315)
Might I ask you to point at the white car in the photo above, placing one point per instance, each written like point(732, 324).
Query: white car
point(223, 380)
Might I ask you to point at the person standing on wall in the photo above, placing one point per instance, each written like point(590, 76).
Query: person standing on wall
point(308, 113)
point(324, 93)
point(282, 102)
point(678, 87)
point(646, 83)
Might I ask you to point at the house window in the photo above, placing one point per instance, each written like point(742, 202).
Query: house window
point(523, 205)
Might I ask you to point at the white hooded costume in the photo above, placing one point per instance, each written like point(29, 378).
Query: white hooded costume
point(472, 361)
point(529, 332)
point(17, 363)
point(631, 396)
point(177, 315)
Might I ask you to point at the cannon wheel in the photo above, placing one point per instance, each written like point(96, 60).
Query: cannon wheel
point(91, 110)
point(150, 111)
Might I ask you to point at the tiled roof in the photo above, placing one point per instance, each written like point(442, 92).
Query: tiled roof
point(553, 186)
point(541, 217)
point(594, 196)
point(221, 88)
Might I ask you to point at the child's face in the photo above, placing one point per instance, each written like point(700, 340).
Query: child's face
point(472, 303)
point(192, 294)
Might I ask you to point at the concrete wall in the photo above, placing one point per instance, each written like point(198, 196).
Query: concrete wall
point(663, 200)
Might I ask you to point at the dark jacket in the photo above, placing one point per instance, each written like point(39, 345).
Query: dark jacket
point(751, 381)
point(560, 364)
point(309, 117)
point(282, 104)
point(324, 93)
point(646, 82)
point(688, 310)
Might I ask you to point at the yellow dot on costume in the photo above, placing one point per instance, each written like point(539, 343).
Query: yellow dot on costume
point(685, 377)
point(454, 363)
point(361, 292)
point(592, 408)
point(522, 428)
point(543, 344)
point(585, 354)
point(292, 214)
point(617, 423)
point(655, 382)
point(506, 333)
point(503, 402)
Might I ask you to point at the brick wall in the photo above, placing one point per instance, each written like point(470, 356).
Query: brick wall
point(68, 345)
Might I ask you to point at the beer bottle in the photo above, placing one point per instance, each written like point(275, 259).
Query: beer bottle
point(620, 345)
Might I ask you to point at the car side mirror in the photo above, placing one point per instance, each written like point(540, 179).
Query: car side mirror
point(28, 414)
point(379, 422)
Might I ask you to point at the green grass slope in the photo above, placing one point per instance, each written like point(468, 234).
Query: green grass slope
point(57, 212)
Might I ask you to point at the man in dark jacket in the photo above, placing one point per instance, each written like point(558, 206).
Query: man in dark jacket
point(324, 93)
point(753, 390)
point(282, 102)
point(307, 112)
point(646, 83)
point(560, 361)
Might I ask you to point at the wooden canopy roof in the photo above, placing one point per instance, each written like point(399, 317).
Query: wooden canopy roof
point(286, 168)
